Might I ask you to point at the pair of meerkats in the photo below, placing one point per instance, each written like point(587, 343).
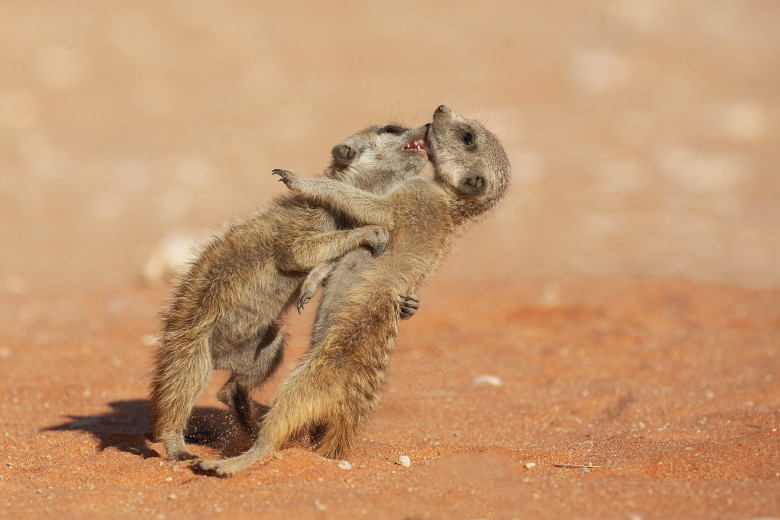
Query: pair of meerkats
point(224, 313)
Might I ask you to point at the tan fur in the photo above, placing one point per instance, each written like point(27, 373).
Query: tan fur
point(224, 311)
point(338, 385)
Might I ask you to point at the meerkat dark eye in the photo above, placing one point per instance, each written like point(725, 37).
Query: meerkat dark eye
point(391, 129)
point(467, 138)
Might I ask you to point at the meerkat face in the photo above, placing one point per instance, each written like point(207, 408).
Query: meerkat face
point(379, 157)
point(468, 159)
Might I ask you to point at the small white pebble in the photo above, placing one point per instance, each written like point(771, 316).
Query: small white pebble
point(404, 461)
point(487, 380)
point(344, 464)
point(168, 479)
point(529, 465)
point(171, 497)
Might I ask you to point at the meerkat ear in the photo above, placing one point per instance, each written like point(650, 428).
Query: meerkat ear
point(472, 184)
point(343, 154)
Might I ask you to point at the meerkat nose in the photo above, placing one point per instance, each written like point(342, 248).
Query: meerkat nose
point(443, 108)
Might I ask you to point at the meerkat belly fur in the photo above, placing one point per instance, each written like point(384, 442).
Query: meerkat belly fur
point(224, 311)
point(338, 385)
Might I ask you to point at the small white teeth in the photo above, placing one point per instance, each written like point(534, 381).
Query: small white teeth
point(418, 145)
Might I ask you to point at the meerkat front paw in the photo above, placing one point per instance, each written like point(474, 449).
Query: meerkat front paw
point(287, 177)
point(377, 239)
point(408, 305)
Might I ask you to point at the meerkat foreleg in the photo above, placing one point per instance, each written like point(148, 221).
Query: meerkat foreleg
point(361, 206)
point(312, 282)
point(183, 366)
point(312, 251)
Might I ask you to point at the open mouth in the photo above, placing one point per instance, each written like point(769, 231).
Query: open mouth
point(418, 145)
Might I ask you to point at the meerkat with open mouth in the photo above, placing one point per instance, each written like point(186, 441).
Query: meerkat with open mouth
point(338, 385)
point(224, 311)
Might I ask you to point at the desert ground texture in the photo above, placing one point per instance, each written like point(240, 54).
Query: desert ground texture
point(603, 345)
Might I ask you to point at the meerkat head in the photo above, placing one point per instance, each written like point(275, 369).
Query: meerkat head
point(379, 157)
point(469, 160)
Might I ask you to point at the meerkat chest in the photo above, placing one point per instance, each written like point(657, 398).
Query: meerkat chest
point(423, 226)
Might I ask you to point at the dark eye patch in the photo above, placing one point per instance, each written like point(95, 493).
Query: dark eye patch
point(392, 129)
point(467, 137)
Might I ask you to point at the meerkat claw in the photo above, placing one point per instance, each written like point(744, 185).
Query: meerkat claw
point(303, 301)
point(408, 306)
point(284, 176)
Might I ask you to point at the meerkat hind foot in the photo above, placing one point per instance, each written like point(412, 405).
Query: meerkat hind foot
point(209, 467)
point(182, 456)
point(224, 467)
point(175, 448)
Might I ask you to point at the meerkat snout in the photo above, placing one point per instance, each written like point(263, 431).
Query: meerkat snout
point(472, 185)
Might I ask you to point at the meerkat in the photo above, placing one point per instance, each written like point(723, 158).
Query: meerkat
point(336, 388)
point(224, 311)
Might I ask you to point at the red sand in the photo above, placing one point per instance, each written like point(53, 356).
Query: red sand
point(643, 137)
point(648, 398)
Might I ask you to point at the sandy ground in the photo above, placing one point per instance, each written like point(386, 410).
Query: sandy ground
point(624, 298)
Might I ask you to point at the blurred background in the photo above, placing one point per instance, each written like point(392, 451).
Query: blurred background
point(643, 134)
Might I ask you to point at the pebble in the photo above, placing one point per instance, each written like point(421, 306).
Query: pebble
point(529, 465)
point(404, 461)
point(344, 464)
point(487, 380)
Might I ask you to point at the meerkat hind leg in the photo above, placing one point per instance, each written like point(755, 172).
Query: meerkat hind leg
point(175, 447)
point(336, 438)
point(236, 392)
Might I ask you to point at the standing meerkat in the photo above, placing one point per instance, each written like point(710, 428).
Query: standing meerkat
point(224, 311)
point(337, 386)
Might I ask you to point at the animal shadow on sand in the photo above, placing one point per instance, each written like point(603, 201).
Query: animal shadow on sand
point(126, 428)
